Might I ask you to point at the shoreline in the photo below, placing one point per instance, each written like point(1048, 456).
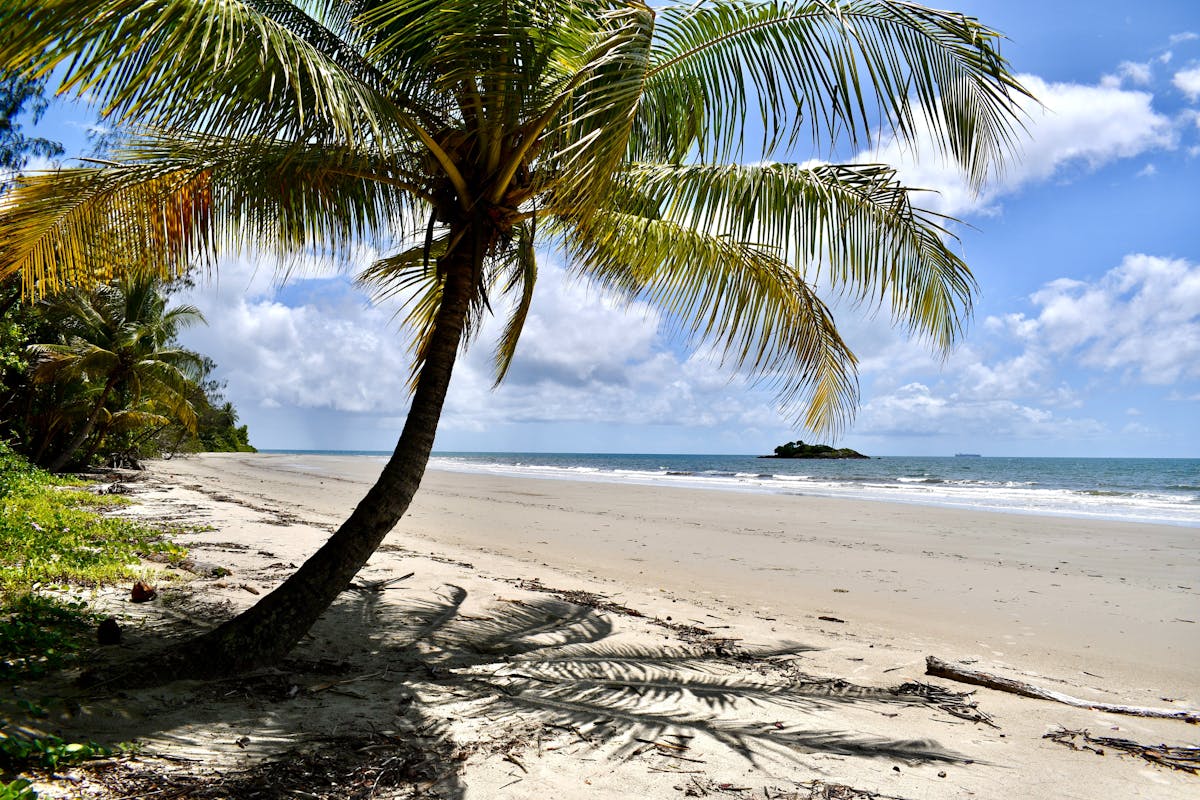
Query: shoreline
point(1022, 486)
point(525, 639)
point(908, 480)
point(1048, 594)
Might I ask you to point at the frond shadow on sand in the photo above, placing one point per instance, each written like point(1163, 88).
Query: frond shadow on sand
point(398, 686)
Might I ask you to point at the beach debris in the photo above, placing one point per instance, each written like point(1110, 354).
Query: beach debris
point(248, 588)
point(109, 632)
point(831, 619)
point(820, 790)
point(1182, 758)
point(204, 569)
point(578, 597)
point(942, 669)
point(956, 704)
point(376, 586)
point(142, 592)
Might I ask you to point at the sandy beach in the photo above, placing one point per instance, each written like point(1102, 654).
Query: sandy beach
point(602, 640)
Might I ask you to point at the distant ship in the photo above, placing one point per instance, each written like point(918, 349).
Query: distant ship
point(967, 455)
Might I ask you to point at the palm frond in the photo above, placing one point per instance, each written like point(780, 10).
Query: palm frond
point(590, 139)
point(856, 224)
point(241, 68)
point(520, 267)
point(177, 200)
point(749, 303)
point(837, 69)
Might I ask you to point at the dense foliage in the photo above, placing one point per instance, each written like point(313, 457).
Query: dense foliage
point(799, 449)
point(97, 375)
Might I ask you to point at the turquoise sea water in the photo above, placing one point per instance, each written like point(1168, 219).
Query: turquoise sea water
point(1165, 491)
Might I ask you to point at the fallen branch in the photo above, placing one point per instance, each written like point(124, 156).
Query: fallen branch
point(942, 669)
point(1186, 759)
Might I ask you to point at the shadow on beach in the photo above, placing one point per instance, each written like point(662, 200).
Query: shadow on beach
point(396, 687)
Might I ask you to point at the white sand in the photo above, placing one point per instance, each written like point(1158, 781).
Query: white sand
point(1104, 611)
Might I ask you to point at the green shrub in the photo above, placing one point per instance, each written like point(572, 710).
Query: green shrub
point(50, 533)
point(48, 752)
point(41, 634)
point(20, 789)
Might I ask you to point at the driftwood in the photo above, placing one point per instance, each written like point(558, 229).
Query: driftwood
point(942, 669)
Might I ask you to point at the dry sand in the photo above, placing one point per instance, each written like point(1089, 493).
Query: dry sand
point(736, 645)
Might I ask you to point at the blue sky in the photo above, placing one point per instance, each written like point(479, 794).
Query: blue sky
point(1085, 339)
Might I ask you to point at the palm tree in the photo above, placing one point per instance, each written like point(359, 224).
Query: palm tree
point(119, 338)
point(458, 133)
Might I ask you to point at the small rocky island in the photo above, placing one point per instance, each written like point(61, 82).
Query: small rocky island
point(798, 449)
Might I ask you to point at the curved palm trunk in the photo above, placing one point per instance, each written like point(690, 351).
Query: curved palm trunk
point(82, 434)
point(266, 632)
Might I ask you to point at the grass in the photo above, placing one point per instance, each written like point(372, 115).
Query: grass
point(51, 535)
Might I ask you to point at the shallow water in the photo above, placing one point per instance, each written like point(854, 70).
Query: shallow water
point(1164, 491)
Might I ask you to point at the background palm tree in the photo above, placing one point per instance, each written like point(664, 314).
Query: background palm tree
point(120, 341)
point(458, 133)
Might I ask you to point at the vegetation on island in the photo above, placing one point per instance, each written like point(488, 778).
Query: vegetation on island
point(799, 449)
point(454, 137)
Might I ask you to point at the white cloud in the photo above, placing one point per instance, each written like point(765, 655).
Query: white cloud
point(1141, 318)
point(1185, 36)
point(1147, 171)
point(1138, 73)
point(1188, 82)
point(1075, 125)
point(917, 410)
point(584, 357)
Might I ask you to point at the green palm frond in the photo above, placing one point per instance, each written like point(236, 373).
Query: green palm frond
point(856, 224)
point(749, 303)
point(240, 68)
point(520, 267)
point(833, 68)
point(591, 140)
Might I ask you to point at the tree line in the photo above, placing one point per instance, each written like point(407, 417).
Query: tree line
point(98, 374)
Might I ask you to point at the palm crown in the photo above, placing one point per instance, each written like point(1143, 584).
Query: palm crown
point(458, 133)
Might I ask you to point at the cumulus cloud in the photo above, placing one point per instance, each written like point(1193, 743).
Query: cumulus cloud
point(1141, 318)
point(917, 410)
point(584, 357)
point(1188, 82)
point(1138, 73)
point(1074, 125)
point(1139, 321)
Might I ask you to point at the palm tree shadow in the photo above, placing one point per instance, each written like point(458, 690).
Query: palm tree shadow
point(324, 724)
point(386, 690)
point(560, 663)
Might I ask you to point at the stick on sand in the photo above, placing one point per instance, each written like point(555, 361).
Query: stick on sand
point(943, 669)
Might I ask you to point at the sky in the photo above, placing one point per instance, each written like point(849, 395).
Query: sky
point(1085, 337)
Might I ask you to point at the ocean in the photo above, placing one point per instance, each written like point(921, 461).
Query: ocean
point(1154, 490)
